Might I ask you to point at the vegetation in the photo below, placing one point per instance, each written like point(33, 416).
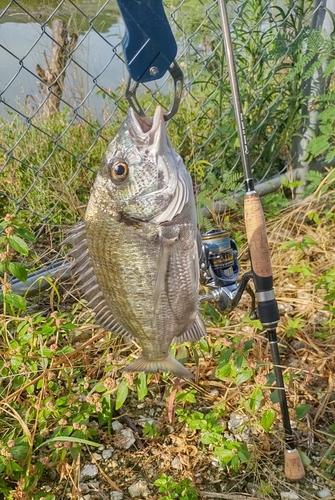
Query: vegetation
point(60, 374)
point(61, 380)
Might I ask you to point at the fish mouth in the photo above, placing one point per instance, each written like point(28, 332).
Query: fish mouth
point(146, 130)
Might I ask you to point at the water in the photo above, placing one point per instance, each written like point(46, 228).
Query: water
point(25, 41)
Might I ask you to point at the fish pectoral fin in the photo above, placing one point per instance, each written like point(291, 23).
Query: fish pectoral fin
point(167, 364)
point(165, 251)
point(195, 332)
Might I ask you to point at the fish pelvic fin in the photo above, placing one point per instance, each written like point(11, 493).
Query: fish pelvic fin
point(167, 364)
point(194, 332)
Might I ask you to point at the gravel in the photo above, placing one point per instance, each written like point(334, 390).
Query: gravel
point(89, 471)
point(324, 493)
point(139, 490)
point(289, 495)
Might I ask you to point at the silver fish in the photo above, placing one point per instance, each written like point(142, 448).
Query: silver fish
point(136, 253)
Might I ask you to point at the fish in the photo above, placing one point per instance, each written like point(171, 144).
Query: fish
point(136, 253)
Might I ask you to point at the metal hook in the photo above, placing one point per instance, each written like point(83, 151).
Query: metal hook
point(178, 79)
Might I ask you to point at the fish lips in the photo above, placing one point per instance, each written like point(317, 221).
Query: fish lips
point(147, 131)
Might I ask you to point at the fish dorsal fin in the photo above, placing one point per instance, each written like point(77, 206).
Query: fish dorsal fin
point(82, 268)
point(196, 331)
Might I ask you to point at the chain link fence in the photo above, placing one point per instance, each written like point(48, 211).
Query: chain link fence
point(62, 85)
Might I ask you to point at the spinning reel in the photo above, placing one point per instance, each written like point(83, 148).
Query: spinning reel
point(219, 271)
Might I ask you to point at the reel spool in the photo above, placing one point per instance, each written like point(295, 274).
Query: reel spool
point(218, 262)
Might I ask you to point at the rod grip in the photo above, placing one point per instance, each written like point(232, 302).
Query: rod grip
point(258, 242)
point(294, 469)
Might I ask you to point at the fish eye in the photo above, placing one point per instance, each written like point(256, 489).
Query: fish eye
point(118, 170)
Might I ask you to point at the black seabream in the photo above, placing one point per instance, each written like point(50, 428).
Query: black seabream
point(136, 254)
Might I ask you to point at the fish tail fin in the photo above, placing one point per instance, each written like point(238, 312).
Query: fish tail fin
point(167, 364)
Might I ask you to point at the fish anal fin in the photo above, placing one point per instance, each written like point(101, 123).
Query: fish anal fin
point(195, 332)
point(167, 364)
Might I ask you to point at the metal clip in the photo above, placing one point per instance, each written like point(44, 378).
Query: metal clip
point(178, 79)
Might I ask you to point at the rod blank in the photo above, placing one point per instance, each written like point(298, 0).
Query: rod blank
point(260, 258)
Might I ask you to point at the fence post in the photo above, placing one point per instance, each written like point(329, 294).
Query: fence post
point(316, 85)
point(54, 74)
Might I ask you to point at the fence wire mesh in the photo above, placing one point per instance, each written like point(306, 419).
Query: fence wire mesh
point(62, 86)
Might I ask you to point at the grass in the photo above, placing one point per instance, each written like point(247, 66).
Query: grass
point(61, 375)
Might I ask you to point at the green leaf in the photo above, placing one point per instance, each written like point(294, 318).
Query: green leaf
point(16, 467)
point(27, 235)
point(318, 145)
point(18, 244)
point(235, 463)
point(121, 395)
point(304, 458)
point(328, 114)
point(71, 439)
point(224, 454)
point(20, 451)
point(18, 271)
point(244, 376)
point(141, 382)
point(302, 410)
point(16, 301)
point(256, 399)
point(274, 396)
point(267, 419)
point(203, 344)
point(330, 155)
point(223, 371)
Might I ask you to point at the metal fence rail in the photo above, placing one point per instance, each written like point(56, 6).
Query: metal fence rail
point(62, 86)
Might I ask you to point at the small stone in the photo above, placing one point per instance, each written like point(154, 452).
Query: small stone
point(93, 485)
point(176, 463)
point(324, 493)
point(252, 488)
point(83, 488)
point(236, 421)
point(297, 344)
point(89, 471)
point(139, 490)
point(97, 456)
point(107, 453)
point(116, 425)
point(94, 425)
point(87, 497)
point(124, 439)
point(289, 495)
point(116, 495)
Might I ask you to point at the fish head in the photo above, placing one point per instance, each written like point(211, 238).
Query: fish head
point(141, 176)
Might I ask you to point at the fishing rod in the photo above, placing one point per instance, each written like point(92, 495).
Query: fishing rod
point(260, 258)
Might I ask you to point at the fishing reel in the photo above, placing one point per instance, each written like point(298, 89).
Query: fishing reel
point(219, 271)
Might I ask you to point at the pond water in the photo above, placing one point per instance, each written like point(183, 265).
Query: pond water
point(25, 42)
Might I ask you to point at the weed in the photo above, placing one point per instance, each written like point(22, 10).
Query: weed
point(150, 429)
point(293, 324)
point(172, 489)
